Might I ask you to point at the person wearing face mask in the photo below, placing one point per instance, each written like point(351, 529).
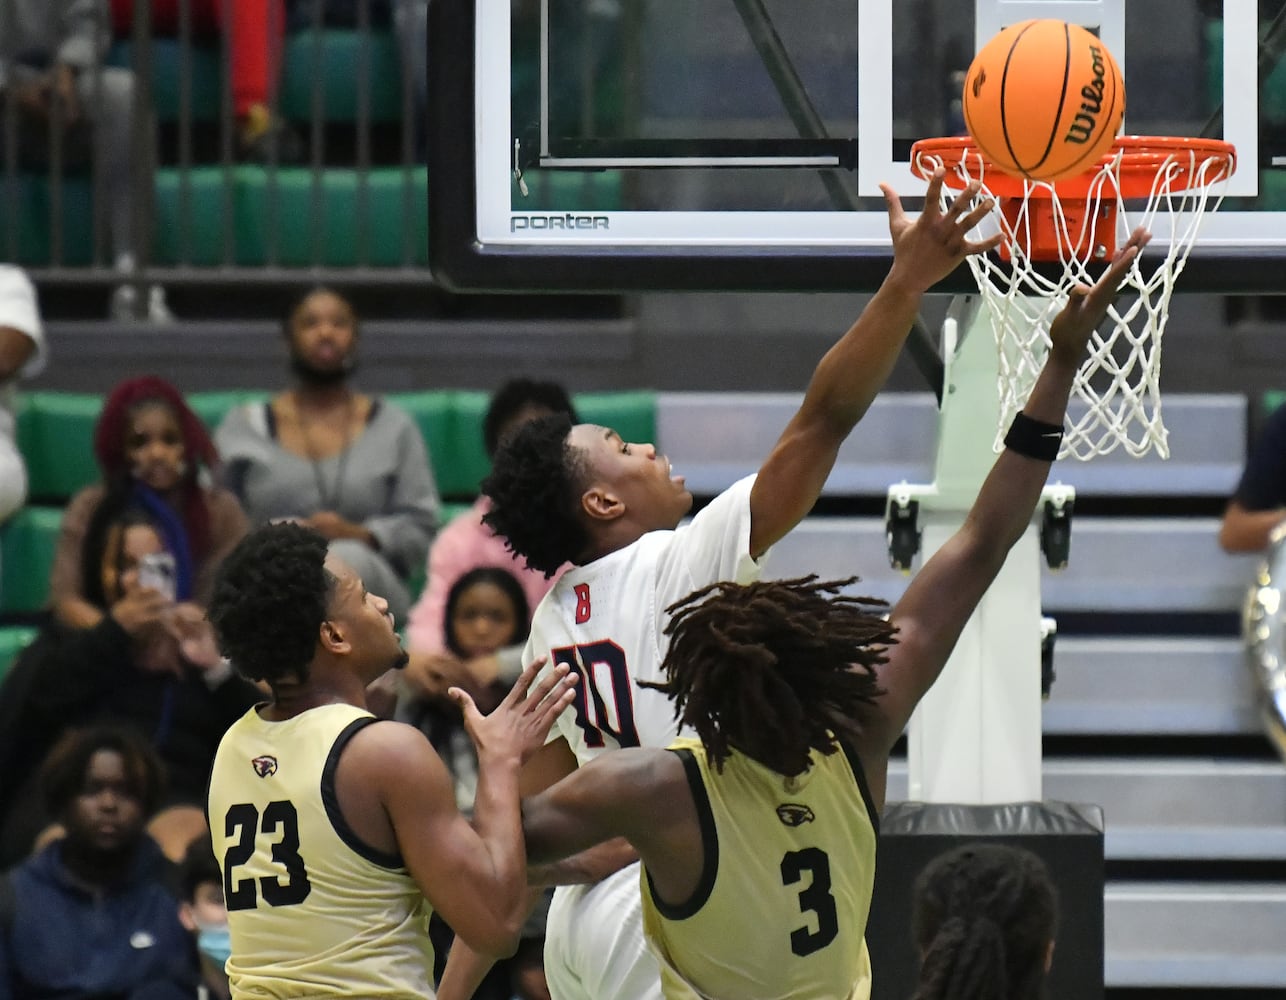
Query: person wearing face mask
point(203, 912)
point(152, 450)
point(350, 466)
point(109, 673)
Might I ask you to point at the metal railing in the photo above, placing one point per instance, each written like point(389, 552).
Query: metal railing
point(196, 159)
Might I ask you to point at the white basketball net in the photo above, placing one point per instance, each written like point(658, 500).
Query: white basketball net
point(1118, 382)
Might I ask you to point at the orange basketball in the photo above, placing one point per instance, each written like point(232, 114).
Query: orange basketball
point(1044, 99)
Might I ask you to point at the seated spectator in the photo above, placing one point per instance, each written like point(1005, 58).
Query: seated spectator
point(108, 673)
point(152, 450)
point(486, 611)
point(1259, 504)
point(254, 30)
point(90, 917)
point(53, 83)
point(984, 917)
point(22, 354)
point(204, 914)
point(465, 544)
point(351, 466)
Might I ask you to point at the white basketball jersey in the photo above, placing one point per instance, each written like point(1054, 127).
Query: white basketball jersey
point(606, 620)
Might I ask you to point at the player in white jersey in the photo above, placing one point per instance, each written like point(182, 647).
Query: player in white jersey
point(774, 678)
point(336, 832)
point(580, 494)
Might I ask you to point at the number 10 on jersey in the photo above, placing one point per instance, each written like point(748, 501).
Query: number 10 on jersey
point(604, 678)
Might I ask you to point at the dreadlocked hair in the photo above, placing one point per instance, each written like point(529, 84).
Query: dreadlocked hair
point(534, 488)
point(983, 917)
point(774, 669)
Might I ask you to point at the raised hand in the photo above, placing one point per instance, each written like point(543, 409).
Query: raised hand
point(520, 723)
point(1086, 306)
point(929, 248)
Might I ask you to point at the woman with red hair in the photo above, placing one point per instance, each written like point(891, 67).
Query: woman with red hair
point(151, 449)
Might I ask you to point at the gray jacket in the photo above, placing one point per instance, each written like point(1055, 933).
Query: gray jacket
point(75, 33)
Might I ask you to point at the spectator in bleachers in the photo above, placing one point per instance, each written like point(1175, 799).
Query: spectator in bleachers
point(1259, 504)
point(22, 354)
point(984, 918)
point(52, 79)
point(486, 611)
point(465, 544)
point(204, 913)
point(154, 453)
point(351, 466)
point(89, 916)
point(254, 30)
point(109, 673)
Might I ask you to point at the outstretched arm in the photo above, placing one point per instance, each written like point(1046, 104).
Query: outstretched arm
point(1245, 530)
point(854, 370)
point(943, 595)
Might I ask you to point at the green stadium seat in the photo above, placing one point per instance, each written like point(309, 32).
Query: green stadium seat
point(33, 225)
point(190, 216)
point(206, 80)
point(56, 438)
point(631, 414)
point(470, 457)
point(27, 544)
point(333, 58)
point(13, 639)
point(434, 412)
point(354, 223)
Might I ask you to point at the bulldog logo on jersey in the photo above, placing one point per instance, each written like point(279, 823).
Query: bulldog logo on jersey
point(264, 766)
point(794, 814)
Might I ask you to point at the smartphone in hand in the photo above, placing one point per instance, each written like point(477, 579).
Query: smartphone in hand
point(157, 570)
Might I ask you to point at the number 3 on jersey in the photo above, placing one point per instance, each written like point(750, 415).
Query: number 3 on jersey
point(604, 677)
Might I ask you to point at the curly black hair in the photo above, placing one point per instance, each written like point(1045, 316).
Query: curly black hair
point(983, 916)
point(516, 395)
point(270, 597)
point(62, 775)
point(534, 489)
point(767, 668)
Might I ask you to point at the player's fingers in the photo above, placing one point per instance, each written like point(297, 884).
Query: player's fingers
point(551, 685)
point(893, 203)
point(467, 708)
point(982, 246)
point(553, 706)
point(976, 214)
point(961, 203)
point(519, 691)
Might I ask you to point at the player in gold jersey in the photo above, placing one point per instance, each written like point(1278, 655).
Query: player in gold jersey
point(758, 838)
point(337, 832)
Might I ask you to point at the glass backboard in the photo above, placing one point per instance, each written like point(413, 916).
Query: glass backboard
point(739, 144)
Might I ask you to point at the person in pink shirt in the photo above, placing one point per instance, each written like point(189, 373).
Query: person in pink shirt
point(466, 544)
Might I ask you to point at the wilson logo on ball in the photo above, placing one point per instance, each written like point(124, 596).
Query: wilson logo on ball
point(1082, 128)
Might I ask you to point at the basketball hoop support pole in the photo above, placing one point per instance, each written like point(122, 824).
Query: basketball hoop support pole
point(976, 736)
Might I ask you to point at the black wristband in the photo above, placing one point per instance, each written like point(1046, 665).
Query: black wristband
point(1034, 438)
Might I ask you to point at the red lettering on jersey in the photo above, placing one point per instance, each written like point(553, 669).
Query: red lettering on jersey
point(582, 603)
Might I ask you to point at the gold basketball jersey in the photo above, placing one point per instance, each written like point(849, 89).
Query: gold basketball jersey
point(782, 905)
point(313, 912)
